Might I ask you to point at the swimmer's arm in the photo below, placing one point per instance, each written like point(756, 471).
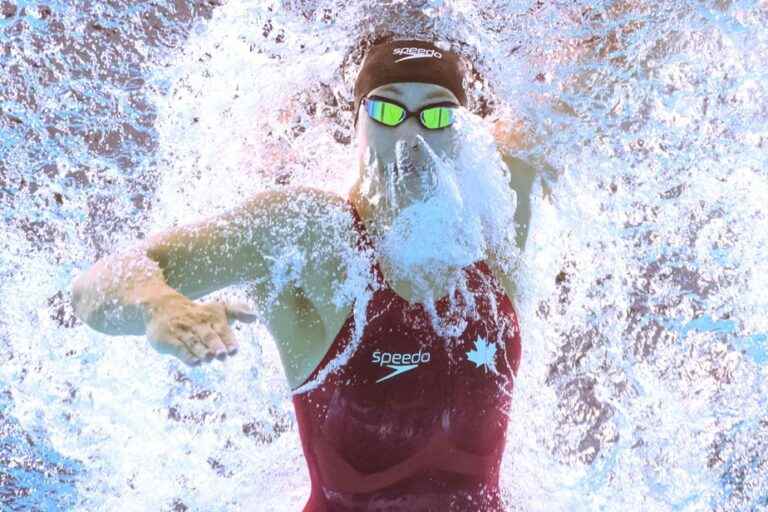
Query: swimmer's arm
point(521, 179)
point(115, 295)
point(515, 140)
point(514, 144)
point(522, 175)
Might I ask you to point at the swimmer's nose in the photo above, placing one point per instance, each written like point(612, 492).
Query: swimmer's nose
point(411, 130)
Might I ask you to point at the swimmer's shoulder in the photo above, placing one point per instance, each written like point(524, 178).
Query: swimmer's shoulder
point(298, 201)
point(313, 212)
point(327, 216)
point(317, 309)
point(321, 222)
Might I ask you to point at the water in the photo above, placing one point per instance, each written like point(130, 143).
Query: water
point(643, 304)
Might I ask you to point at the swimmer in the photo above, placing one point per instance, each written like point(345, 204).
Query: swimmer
point(415, 419)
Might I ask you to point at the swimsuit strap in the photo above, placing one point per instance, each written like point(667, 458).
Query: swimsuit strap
point(365, 242)
point(345, 333)
point(365, 238)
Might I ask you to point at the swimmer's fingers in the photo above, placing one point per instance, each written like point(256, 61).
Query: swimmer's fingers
point(220, 321)
point(175, 348)
point(183, 344)
point(549, 177)
point(549, 172)
point(226, 336)
point(546, 191)
point(182, 353)
point(196, 332)
point(193, 342)
point(206, 336)
point(240, 311)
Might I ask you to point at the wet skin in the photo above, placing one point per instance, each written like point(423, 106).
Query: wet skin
point(158, 281)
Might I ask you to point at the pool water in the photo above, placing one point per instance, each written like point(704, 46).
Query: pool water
point(643, 303)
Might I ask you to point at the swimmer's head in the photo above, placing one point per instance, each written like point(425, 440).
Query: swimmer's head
point(393, 62)
point(397, 80)
point(432, 190)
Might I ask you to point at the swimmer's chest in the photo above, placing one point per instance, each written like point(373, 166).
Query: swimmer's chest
point(405, 349)
point(406, 381)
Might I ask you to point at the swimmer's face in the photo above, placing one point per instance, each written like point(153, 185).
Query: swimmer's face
point(388, 154)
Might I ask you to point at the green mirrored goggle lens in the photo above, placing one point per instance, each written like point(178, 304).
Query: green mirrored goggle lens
point(391, 114)
point(437, 117)
point(385, 113)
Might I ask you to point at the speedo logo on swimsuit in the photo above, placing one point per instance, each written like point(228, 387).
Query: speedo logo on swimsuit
point(415, 53)
point(399, 362)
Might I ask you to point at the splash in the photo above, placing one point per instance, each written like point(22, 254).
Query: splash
point(641, 289)
point(462, 213)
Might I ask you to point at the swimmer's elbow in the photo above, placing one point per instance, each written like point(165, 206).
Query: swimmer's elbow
point(79, 292)
point(84, 307)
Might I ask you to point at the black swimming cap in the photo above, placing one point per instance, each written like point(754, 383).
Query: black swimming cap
point(410, 61)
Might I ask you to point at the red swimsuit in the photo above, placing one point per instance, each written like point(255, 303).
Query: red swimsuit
point(414, 421)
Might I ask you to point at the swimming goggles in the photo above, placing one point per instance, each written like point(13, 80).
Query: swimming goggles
point(434, 116)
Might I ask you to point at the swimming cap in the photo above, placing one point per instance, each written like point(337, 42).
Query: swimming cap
point(410, 61)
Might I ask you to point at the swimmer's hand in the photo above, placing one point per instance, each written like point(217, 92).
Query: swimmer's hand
point(192, 331)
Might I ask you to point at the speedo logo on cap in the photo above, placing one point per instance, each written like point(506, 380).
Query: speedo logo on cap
point(415, 53)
